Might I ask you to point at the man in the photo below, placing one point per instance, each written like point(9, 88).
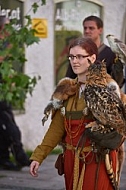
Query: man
point(93, 28)
point(10, 135)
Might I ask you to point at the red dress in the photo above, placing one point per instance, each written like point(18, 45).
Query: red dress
point(94, 175)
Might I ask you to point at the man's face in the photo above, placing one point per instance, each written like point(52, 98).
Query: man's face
point(91, 30)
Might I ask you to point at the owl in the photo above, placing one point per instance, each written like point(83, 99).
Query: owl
point(103, 98)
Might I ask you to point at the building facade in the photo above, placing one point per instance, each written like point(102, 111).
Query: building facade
point(59, 20)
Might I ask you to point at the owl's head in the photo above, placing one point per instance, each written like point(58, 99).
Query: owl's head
point(97, 68)
point(97, 72)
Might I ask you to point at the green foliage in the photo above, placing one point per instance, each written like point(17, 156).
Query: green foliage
point(43, 2)
point(35, 5)
point(14, 84)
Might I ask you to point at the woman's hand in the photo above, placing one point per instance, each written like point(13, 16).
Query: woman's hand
point(34, 168)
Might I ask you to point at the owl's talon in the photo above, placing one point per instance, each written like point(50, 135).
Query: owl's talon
point(116, 59)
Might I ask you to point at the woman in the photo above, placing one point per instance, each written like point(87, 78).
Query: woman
point(84, 167)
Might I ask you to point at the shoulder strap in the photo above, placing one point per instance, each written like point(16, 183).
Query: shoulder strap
point(102, 46)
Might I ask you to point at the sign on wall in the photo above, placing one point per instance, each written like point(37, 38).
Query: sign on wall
point(69, 16)
point(12, 9)
point(40, 25)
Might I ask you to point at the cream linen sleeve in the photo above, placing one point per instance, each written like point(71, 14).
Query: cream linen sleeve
point(51, 139)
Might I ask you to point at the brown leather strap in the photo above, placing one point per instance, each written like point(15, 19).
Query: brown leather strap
point(102, 46)
point(85, 149)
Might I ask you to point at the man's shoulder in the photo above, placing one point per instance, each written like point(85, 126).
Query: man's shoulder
point(108, 55)
point(107, 48)
point(106, 51)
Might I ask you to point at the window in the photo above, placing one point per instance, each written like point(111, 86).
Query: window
point(69, 15)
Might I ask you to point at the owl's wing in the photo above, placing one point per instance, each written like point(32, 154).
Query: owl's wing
point(106, 107)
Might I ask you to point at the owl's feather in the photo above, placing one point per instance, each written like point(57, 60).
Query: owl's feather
point(103, 98)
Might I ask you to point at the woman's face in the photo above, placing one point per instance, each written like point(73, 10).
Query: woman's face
point(79, 60)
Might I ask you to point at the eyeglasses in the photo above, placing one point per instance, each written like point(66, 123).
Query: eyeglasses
point(78, 56)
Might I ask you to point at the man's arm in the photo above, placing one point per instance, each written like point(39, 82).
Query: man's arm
point(114, 66)
point(118, 73)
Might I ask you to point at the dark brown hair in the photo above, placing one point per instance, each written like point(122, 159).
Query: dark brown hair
point(86, 44)
point(96, 19)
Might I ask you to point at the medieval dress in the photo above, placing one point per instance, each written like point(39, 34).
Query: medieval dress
point(84, 167)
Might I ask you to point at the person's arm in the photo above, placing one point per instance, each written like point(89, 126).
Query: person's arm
point(114, 66)
point(118, 73)
point(53, 137)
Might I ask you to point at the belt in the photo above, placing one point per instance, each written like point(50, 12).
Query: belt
point(85, 149)
point(78, 178)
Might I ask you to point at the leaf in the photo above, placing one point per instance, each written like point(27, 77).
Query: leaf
point(28, 20)
point(14, 84)
point(35, 7)
point(43, 2)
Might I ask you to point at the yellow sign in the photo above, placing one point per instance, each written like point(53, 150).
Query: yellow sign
point(40, 25)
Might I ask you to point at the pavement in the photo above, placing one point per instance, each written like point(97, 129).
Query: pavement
point(48, 178)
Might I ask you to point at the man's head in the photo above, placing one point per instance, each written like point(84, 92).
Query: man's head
point(93, 28)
